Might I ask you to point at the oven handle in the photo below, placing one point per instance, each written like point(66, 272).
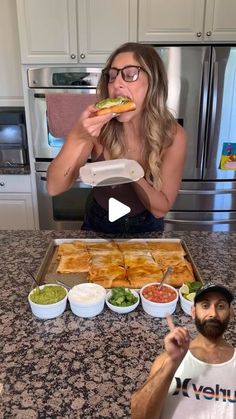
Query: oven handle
point(44, 179)
point(39, 95)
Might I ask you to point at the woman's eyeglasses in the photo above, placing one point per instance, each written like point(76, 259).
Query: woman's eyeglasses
point(129, 73)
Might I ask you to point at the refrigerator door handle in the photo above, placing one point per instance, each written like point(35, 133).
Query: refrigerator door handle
point(202, 115)
point(199, 222)
point(213, 109)
point(207, 192)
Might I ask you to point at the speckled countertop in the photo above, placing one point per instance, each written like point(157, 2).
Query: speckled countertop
point(71, 367)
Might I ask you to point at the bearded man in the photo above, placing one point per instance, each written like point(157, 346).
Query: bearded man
point(194, 379)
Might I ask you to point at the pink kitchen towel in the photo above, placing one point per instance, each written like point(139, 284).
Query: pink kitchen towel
point(64, 109)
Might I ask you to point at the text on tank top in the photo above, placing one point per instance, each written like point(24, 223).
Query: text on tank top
point(202, 391)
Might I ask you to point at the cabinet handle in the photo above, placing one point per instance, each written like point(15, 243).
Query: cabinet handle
point(2, 183)
point(82, 56)
point(73, 56)
point(208, 33)
point(199, 34)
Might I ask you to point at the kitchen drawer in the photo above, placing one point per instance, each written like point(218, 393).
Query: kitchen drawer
point(15, 183)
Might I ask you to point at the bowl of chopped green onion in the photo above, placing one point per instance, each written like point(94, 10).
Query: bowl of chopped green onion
point(122, 300)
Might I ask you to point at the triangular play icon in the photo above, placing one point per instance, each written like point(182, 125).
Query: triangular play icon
point(116, 209)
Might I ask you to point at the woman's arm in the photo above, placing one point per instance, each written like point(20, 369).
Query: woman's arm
point(148, 401)
point(160, 202)
point(64, 169)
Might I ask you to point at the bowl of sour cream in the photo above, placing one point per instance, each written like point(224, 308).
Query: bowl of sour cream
point(87, 300)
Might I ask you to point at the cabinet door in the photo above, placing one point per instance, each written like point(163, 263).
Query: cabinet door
point(104, 25)
point(11, 91)
point(220, 22)
point(170, 20)
point(47, 30)
point(16, 212)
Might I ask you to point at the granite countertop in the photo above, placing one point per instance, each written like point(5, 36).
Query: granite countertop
point(71, 367)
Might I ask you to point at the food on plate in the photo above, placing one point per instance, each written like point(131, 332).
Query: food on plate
point(104, 259)
point(132, 246)
point(74, 263)
point(189, 289)
point(134, 259)
point(117, 105)
point(168, 259)
point(122, 297)
point(167, 247)
point(159, 294)
point(181, 274)
point(101, 247)
point(71, 248)
point(125, 263)
point(108, 275)
point(49, 294)
point(139, 275)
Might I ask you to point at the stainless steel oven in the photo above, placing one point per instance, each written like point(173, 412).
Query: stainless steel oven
point(66, 210)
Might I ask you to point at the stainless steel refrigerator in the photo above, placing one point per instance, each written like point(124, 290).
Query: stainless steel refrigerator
point(202, 95)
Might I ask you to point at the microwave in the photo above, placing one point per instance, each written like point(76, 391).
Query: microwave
point(13, 138)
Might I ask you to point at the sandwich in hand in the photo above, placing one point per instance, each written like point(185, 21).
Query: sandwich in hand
point(116, 105)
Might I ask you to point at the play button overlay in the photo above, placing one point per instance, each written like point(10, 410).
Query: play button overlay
point(116, 209)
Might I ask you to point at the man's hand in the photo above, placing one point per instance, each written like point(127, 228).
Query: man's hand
point(176, 342)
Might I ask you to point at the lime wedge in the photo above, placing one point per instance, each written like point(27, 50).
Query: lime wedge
point(185, 289)
point(191, 296)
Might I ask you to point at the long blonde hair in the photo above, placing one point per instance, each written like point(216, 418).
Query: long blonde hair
point(157, 123)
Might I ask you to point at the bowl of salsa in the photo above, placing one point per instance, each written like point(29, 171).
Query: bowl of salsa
point(157, 300)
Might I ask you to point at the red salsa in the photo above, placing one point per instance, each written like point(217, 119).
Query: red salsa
point(158, 294)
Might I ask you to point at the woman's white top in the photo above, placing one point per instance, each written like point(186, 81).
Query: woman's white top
point(202, 391)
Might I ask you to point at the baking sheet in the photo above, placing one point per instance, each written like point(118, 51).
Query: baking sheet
point(47, 271)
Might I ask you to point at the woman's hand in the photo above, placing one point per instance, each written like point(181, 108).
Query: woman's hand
point(176, 342)
point(89, 126)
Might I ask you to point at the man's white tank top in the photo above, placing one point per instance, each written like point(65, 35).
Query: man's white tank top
point(202, 391)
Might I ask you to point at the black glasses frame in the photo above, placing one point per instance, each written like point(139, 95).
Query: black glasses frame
point(105, 72)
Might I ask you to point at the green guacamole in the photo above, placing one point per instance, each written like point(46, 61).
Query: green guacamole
point(48, 295)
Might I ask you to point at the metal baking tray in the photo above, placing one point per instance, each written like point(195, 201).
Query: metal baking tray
point(47, 270)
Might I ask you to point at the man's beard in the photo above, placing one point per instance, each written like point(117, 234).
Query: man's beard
point(211, 329)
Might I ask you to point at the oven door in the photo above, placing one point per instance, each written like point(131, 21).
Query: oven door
point(64, 211)
point(45, 145)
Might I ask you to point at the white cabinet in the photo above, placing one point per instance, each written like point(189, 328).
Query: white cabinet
point(220, 20)
point(104, 25)
point(16, 207)
point(187, 20)
point(47, 30)
point(72, 31)
point(11, 90)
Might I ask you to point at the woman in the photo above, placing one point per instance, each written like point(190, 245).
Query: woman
point(149, 135)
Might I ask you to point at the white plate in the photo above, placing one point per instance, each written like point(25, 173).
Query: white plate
point(111, 172)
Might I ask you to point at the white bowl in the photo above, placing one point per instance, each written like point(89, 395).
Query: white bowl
point(158, 309)
point(87, 300)
point(48, 311)
point(122, 310)
point(186, 305)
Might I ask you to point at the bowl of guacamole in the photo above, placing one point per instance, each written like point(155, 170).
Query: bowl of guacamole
point(48, 301)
